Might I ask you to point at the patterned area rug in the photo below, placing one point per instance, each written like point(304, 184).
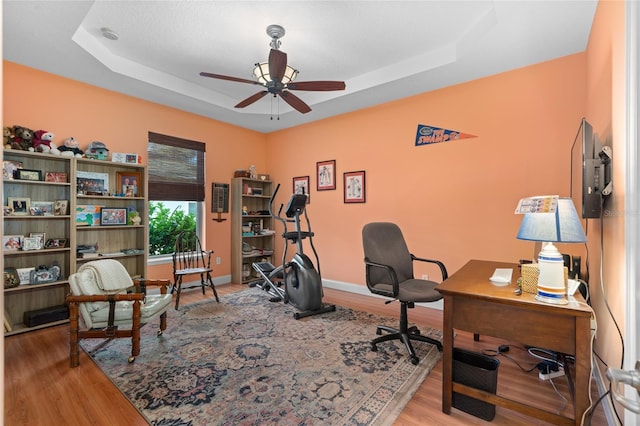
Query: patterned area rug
point(247, 361)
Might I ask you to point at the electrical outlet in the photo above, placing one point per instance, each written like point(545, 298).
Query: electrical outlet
point(425, 276)
point(551, 375)
point(218, 260)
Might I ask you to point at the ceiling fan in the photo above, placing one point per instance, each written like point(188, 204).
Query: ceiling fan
point(277, 77)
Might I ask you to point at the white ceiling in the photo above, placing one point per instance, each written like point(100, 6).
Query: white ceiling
point(382, 50)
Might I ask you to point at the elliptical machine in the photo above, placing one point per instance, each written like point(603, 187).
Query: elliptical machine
point(297, 281)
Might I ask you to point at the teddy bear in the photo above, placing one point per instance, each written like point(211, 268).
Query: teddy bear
point(22, 138)
point(7, 136)
point(42, 141)
point(70, 148)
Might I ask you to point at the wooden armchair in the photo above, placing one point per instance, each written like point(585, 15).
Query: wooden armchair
point(190, 259)
point(99, 305)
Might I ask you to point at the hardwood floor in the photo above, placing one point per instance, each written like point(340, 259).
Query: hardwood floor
point(41, 389)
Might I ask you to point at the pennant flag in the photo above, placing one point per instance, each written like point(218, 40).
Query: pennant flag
point(427, 135)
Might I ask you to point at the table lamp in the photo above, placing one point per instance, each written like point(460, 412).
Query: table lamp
point(561, 226)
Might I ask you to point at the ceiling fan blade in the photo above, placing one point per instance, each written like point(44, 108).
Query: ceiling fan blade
point(295, 102)
point(251, 99)
point(316, 86)
point(277, 64)
point(226, 77)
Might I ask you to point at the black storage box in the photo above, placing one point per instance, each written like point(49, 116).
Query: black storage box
point(478, 371)
point(43, 316)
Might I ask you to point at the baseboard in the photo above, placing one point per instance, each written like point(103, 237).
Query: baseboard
point(335, 285)
point(602, 389)
point(363, 290)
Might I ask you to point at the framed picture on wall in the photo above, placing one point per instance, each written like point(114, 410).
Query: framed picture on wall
point(354, 187)
point(326, 175)
point(301, 186)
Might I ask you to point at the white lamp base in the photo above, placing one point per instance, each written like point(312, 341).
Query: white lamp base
point(552, 300)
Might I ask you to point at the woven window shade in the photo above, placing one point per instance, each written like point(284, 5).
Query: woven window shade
point(176, 168)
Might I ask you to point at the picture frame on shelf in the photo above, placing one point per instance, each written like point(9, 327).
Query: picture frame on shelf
point(20, 205)
point(122, 157)
point(54, 243)
point(301, 186)
point(24, 274)
point(57, 177)
point(113, 216)
point(28, 174)
point(7, 210)
point(354, 187)
point(61, 208)
point(36, 211)
point(9, 167)
point(42, 236)
point(31, 243)
point(46, 207)
point(87, 215)
point(12, 242)
point(129, 183)
point(326, 175)
point(91, 183)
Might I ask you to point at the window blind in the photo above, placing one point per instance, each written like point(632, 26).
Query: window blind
point(176, 168)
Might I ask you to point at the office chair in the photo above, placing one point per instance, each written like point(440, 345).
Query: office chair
point(389, 273)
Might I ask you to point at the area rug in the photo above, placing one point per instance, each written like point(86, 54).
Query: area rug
point(247, 361)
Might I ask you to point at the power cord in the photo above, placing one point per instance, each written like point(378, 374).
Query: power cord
point(502, 349)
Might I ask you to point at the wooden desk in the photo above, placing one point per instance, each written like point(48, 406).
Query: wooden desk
point(472, 303)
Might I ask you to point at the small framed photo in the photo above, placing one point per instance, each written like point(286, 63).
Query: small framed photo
point(27, 174)
point(90, 183)
point(42, 236)
point(9, 167)
point(45, 207)
point(54, 243)
point(129, 184)
point(354, 187)
point(326, 175)
point(110, 216)
point(301, 186)
point(58, 177)
point(31, 243)
point(24, 275)
point(19, 205)
point(120, 157)
point(7, 210)
point(12, 242)
point(61, 208)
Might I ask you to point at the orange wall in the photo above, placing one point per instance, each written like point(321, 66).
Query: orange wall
point(67, 108)
point(455, 200)
point(605, 108)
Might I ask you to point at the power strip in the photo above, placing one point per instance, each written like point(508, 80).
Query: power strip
point(551, 375)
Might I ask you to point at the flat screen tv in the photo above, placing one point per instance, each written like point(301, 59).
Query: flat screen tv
point(590, 172)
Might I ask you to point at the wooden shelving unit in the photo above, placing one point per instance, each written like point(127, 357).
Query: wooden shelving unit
point(251, 239)
point(110, 239)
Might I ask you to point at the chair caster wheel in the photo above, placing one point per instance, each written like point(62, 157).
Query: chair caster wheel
point(374, 348)
point(415, 360)
point(131, 359)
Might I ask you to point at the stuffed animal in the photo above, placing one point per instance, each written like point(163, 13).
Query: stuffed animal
point(42, 141)
point(54, 149)
point(70, 148)
point(22, 138)
point(7, 136)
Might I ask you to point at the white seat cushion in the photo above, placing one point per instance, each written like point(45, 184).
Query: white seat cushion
point(154, 305)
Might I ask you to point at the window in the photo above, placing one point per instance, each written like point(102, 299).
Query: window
point(176, 190)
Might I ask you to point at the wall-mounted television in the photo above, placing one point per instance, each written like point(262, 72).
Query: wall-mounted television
point(590, 172)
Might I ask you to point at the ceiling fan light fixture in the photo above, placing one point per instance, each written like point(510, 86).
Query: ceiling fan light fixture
point(261, 73)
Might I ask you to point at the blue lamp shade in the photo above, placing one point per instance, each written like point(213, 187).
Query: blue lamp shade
point(563, 226)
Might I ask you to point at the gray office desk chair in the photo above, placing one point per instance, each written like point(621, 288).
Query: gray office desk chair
point(389, 273)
